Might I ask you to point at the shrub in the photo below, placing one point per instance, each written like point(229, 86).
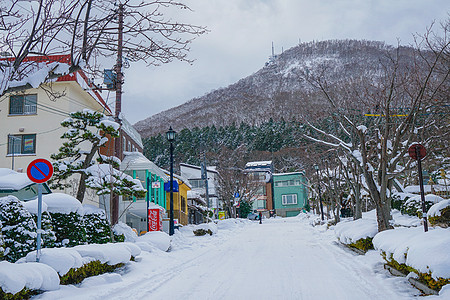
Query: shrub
point(363, 244)
point(439, 214)
point(23, 294)
point(69, 229)
point(92, 268)
point(97, 227)
point(48, 236)
point(18, 229)
point(413, 206)
point(201, 232)
point(425, 278)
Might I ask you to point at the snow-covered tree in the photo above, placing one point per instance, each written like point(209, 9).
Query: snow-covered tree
point(87, 131)
point(402, 100)
point(86, 30)
point(18, 229)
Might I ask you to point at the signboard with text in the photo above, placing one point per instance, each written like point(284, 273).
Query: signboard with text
point(154, 220)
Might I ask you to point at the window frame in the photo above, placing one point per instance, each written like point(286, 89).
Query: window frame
point(25, 101)
point(285, 202)
point(23, 140)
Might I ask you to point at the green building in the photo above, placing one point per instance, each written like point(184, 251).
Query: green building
point(290, 193)
point(134, 210)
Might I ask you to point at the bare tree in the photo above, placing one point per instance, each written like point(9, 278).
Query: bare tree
point(87, 30)
point(400, 93)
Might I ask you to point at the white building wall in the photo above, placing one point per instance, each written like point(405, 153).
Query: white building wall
point(45, 124)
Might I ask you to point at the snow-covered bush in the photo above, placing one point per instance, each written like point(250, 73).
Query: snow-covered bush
point(357, 234)
point(124, 233)
point(67, 221)
point(158, 239)
point(439, 214)
point(19, 281)
point(18, 229)
point(48, 235)
point(2, 243)
point(69, 229)
point(413, 250)
point(413, 206)
point(97, 226)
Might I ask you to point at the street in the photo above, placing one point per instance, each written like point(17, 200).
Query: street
point(279, 259)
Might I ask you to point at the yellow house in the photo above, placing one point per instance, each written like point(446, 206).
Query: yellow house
point(180, 207)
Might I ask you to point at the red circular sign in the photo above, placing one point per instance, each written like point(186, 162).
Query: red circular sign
point(40, 170)
point(415, 149)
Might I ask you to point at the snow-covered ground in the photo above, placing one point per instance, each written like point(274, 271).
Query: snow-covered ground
point(283, 258)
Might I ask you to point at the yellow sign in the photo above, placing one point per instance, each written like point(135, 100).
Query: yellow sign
point(221, 215)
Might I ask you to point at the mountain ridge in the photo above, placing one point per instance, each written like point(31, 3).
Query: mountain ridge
point(278, 90)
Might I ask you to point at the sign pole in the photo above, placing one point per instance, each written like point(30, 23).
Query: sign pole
point(39, 222)
point(417, 152)
point(148, 202)
point(39, 171)
point(422, 192)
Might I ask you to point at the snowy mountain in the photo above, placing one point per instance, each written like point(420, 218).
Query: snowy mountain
point(278, 90)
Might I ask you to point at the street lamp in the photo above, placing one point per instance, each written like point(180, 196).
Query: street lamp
point(316, 167)
point(171, 135)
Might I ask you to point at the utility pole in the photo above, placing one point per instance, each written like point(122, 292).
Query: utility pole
point(204, 176)
point(118, 108)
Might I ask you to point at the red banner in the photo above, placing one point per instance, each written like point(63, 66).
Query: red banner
point(154, 220)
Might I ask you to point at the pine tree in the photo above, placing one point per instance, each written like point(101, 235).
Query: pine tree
point(94, 128)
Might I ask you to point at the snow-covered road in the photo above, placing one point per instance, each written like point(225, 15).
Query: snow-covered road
point(279, 259)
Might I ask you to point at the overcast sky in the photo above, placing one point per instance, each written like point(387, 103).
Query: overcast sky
point(241, 34)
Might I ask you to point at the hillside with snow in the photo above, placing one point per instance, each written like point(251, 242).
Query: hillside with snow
point(280, 89)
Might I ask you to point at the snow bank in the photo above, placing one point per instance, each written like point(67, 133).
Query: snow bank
point(32, 206)
point(60, 259)
point(435, 210)
point(398, 219)
point(110, 254)
point(211, 226)
point(229, 224)
point(93, 282)
point(424, 251)
point(349, 232)
point(61, 203)
point(158, 239)
point(123, 229)
point(35, 276)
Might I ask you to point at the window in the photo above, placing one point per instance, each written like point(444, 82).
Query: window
point(289, 199)
point(183, 204)
point(197, 183)
point(22, 104)
point(22, 144)
point(292, 182)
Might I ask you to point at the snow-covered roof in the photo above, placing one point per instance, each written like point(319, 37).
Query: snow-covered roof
point(426, 187)
point(132, 133)
point(289, 173)
point(137, 161)
point(180, 177)
point(12, 180)
point(208, 168)
point(251, 164)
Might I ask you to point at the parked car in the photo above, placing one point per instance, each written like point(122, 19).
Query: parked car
point(253, 216)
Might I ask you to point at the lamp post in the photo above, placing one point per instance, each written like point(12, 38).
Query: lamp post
point(171, 135)
point(316, 167)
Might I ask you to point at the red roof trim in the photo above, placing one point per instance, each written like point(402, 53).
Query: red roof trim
point(65, 58)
